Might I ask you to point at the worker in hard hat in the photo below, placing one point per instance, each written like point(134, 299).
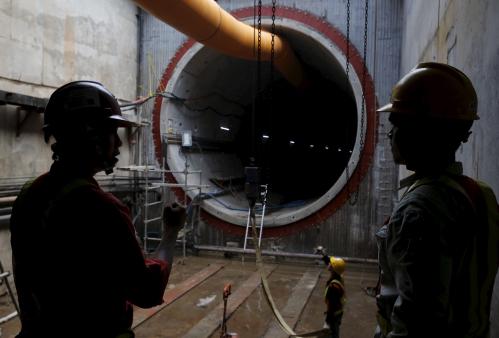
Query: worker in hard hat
point(78, 267)
point(438, 252)
point(334, 293)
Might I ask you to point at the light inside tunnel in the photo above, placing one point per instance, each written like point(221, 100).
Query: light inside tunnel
point(289, 132)
point(319, 115)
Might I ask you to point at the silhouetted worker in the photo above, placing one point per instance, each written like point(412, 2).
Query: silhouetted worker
point(438, 252)
point(78, 267)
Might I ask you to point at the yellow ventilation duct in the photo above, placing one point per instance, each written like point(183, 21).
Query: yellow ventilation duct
point(208, 23)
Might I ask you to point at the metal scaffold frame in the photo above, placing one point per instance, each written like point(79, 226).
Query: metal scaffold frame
point(4, 275)
point(162, 186)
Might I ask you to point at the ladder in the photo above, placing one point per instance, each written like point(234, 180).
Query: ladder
point(259, 227)
point(4, 275)
point(150, 219)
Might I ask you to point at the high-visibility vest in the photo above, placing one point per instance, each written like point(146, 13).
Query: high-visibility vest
point(343, 297)
point(483, 261)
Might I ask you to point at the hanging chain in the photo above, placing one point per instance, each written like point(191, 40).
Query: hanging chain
point(347, 71)
point(363, 106)
point(354, 198)
point(364, 76)
point(348, 40)
point(259, 50)
point(271, 89)
point(272, 41)
point(258, 83)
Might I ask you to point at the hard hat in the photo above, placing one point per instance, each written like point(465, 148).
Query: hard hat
point(338, 265)
point(81, 102)
point(434, 90)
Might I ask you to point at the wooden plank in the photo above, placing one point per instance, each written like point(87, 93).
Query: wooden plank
point(212, 321)
point(295, 305)
point(7, 199)
point(141, 315)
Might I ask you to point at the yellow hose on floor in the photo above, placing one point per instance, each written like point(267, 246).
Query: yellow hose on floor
point(268, 295)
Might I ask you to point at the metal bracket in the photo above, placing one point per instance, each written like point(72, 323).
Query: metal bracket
point(21, 120)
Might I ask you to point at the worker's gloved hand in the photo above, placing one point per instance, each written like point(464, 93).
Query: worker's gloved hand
point(173, 219)
point(320, 250)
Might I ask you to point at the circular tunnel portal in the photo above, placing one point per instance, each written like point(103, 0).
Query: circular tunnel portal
point(311, 143)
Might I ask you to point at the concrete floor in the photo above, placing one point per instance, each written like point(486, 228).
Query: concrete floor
point(253, 317)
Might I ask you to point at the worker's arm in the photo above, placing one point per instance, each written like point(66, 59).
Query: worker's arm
point(403, 248)
point(322, 251)
point(174, 219)
point(143, 280)
point(417, 260)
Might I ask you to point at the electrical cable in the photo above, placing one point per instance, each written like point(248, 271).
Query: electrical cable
point(173, 97)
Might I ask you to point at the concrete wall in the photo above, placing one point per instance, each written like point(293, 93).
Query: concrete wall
point(44, 44)
point(464, 34)
point(47, 43)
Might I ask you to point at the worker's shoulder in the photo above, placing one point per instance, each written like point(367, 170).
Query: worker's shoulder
point(441, 190)
point(487, 190)
point(336, 284)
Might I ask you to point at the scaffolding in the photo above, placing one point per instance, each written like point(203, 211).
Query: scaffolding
point(4, 275)
point(164, 189)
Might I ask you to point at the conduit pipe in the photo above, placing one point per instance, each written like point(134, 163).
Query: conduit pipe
point(206, 22)
point(278, 253)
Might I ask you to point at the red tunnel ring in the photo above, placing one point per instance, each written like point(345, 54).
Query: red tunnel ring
point(357, 64)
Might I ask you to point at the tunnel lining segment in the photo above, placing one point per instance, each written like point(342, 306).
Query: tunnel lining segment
point(327, 36)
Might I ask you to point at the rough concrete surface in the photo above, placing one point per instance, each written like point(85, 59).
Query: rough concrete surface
point(253, 316)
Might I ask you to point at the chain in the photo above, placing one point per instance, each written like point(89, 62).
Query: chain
point(258, 82)
point(364, 75)
point(259, 22)
point(353, 199)
point(348, 40)
point(347, 70)
point(272, 41)
point(271, 89)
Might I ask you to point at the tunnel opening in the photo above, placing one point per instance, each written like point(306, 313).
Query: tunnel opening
point(304, 139)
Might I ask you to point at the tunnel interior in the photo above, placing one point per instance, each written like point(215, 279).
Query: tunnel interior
point(301, 138)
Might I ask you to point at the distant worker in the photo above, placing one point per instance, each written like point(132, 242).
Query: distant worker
point(78, 267)
point(335, 292)
point(438, 252)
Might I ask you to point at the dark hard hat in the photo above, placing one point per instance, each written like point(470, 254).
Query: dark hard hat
point(80, 103)
point(434, 90)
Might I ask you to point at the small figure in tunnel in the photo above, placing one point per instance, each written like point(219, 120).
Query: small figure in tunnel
point(438, 252)
point(335, 292)
point(78, 267)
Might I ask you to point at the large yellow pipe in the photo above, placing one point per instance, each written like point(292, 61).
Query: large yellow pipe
point(208, 23)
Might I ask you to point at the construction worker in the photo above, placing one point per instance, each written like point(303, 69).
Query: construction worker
point(334, 293)
point(438, 252)
point(78, 267)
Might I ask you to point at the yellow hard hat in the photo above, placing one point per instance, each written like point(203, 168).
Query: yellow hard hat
point(434, 90)
point(338, 265)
